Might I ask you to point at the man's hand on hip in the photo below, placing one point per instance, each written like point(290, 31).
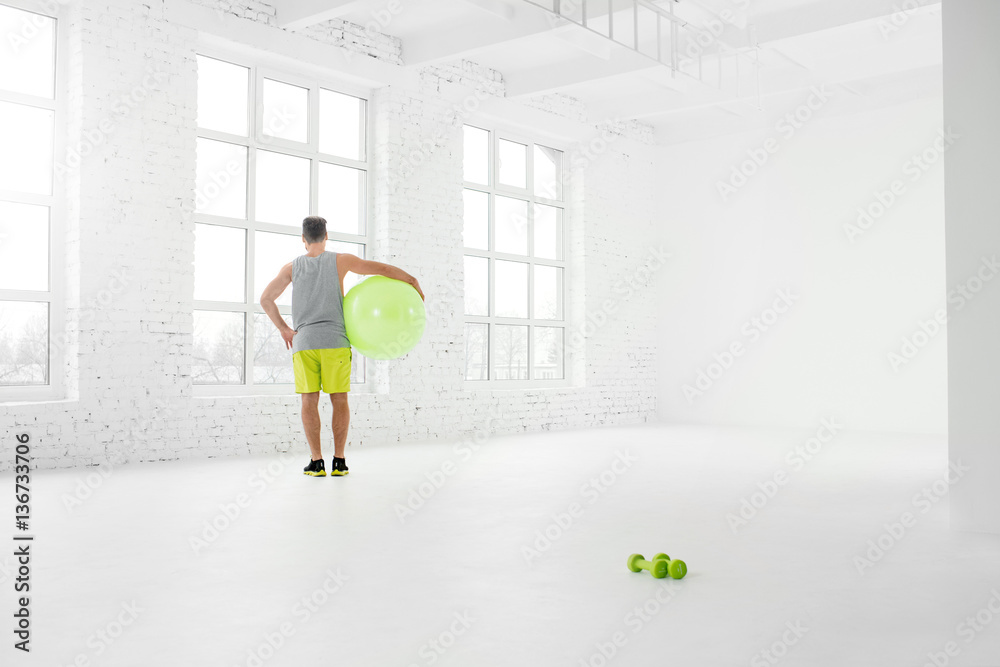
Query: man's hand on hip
point(287, 334)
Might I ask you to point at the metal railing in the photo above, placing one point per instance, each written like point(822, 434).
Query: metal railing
point(657, 33)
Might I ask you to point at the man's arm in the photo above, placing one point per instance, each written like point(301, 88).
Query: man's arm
point(347, 262)
point(267, 301)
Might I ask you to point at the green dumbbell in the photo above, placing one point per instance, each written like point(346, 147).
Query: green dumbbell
point(659, 566)
point(675, 568)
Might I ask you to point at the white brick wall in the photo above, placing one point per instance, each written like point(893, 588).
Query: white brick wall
point(130, 248)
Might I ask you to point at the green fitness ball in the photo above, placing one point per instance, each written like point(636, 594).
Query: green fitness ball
point(385, 318)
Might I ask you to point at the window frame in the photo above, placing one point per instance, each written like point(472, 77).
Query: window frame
point(497, 133)
point(55, 386)
point(260, 69)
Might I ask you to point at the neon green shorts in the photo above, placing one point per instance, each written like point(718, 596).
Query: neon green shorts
point(326, 370)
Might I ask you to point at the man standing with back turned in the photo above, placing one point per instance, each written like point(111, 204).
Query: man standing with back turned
point(321, 353)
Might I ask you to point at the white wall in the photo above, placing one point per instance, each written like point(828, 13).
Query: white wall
point(971, 103)
point(129, 350)
point(784, 229)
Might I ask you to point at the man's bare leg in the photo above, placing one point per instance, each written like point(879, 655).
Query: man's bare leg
point(341, 422)
point(311, 424)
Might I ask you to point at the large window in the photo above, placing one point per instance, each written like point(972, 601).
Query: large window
point(272, 149)
point(29, 315)
point(515, 268)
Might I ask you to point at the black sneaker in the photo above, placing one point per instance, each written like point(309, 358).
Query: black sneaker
point(315, 468)
point(338, 467)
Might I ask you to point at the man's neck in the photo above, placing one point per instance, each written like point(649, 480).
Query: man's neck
point(316, 249)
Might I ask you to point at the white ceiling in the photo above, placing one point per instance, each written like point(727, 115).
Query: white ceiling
point(797, 43)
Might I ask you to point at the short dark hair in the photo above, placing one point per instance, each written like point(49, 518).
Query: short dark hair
point(314, 229)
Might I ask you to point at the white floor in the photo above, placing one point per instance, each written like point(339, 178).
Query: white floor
point(451, 585)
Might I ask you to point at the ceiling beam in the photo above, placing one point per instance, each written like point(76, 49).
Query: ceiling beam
point(520, 20)
point(494, 7)
point(247, 37)
point(558, 76)
point(453, 42)
point(818, 16)
point(294, 14)
point(911, 86)
point(586, 41)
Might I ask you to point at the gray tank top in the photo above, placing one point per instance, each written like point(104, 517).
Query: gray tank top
point(317, 304)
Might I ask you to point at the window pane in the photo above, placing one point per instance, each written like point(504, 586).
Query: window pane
point(26, 132)
point(282, 188)
point(271, 252)
point(223, 96)
point(477, 219)
point(357, 367)
point(548, 364)
point(27, 53)
point(510, 350)
point(548, 232)
point(477, 155)
point(548, 292)
point(477, 285)
point(511, 295)
point(513, 164)
point(341, 198)
point(286, 111)
point(548, 172)
point(341, 125)
point(219, 263)
point(272, 363)
point(24, 246)
point(477, 351)
point(218, 347)
point(221, 180)
point(356, 249)
point(24, 342)
point(511, 223)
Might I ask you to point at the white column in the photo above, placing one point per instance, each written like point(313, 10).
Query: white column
point(972, 210)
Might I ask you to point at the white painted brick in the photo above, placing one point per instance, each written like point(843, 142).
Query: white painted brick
point(129, 353)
